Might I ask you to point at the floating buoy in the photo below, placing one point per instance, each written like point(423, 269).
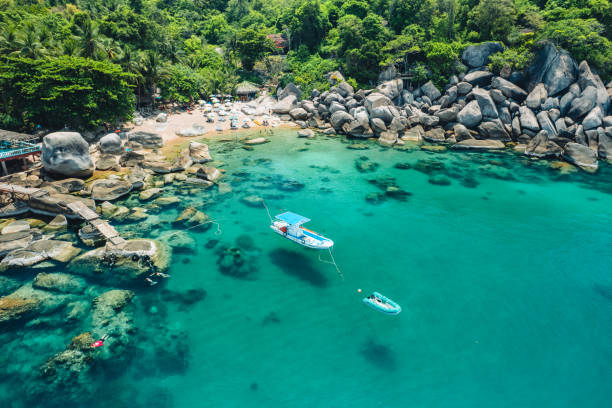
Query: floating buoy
point(358, 290)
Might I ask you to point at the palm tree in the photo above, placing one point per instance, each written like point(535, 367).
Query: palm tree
point(130, 64)
point(9, 36)
point(152, 70)
point(29, 45)
point(90, 39)
point(71, 47)
point(111, 49)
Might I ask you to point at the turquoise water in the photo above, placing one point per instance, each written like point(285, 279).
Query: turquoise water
point(503, 276)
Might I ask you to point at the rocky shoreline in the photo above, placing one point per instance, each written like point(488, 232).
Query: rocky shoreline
point(556, 109)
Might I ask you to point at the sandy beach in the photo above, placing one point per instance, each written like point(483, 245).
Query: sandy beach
point(178, 121)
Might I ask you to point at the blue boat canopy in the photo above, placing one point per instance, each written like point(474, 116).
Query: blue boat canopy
point(292, 218)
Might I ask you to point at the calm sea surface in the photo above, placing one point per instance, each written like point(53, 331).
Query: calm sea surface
point(502, 267)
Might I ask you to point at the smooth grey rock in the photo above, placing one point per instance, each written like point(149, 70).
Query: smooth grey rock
point(554, 114)
point(284, 105)
point(434, 135)
point(607, 121)
point(345, 89)
point(487, 106)
point(449, 97)
point(429, 120)
point(478, 55)
point(335, 107)
point(550, 103)
point(536, 97)
point(146, 139)
point(497, 96)
point(199, 152)
point(387, 138)
point(516, 127)
point(448, 115)
point(470, 115)
point(509, 89)
point(461, 132)
point(528, 119)
point(375, 100)
point(66, 154)
point(604, 148)
point(479, 144)
point(504, 116)
point(377, 125)
point(580, 136)
point(429, 89)
point(339, 118)
point(565, 102)
point(593, 119)
point(109, 189)
point(541, 146)
point(162, 118)
point(584, 103)
point(386, 113)
point(581, 156)
point(553, 67)
point(494, 129)
point(111, 144)
point(107, 162)
point(479, 78)
point(398, 124)
point(391, 89)
point(546, 124)
point(290, 89)
point(463, 88)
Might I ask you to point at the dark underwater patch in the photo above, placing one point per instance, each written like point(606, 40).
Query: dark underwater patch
point(379, 355)
point(295, 264)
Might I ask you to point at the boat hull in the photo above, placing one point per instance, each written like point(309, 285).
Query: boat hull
point(310, 240)
point(390, 307)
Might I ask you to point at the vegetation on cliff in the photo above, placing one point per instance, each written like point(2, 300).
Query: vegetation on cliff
point(105, 53)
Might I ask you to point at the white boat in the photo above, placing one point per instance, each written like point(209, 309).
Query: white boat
point(289, 225)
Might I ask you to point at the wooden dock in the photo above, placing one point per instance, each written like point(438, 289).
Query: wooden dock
point(108, 231)
point(77, 207)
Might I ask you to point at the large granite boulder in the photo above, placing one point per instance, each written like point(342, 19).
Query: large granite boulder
point(583, 104)
point(461, 132)
point(298, 114)
point(546, 124)
point(509, 89)
point(528, 119)
point(38, 251)
point(541, 146)
point(146, 139)
point(470, 115)
point(66, 154)
point(109, 189)
point(478, 55)
point(375, 100)
point(345, 89)
point(111, 144)
point(581, 156)
point(124, 265)
point(199, 152)
point(536, 97)
point(339, 118)
point(553, 67)
point(593, 119)
point(429, 89)
point(478, 78)
point(107, 162)
point(494, 129)
point(285, 105)
point(487, 106)
point(290, 89)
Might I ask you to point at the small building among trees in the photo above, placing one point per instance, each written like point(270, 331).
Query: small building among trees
point(246, 90)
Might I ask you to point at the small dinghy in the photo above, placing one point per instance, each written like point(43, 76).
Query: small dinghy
point(289, 225)
point(382, 304)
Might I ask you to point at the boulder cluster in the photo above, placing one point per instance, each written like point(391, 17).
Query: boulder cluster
point(556, 108)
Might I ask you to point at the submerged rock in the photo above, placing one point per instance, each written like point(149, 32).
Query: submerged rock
point(123, 265)
point(479, 144)
point(581, 155)
point(59, 282)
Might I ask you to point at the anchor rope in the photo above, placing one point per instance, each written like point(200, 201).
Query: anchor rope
point(268, 211)
point(332, 262)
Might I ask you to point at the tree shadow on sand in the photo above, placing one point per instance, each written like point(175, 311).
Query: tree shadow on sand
point(298, 265)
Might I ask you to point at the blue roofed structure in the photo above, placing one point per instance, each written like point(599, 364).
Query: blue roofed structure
point(292, 218)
